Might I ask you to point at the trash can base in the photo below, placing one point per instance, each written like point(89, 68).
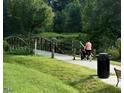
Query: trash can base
point(103, 77)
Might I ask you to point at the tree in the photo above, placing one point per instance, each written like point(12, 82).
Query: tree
point(73, 17)
point(28, 15)
point(59, 22)
point(102, 21)
point(6, 19)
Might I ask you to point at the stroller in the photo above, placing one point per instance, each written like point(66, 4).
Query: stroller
point(83, 53)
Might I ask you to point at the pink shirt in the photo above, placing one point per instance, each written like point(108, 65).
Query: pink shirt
point(88, 46)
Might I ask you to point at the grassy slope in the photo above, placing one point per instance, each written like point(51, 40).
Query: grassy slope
point(116, 63)
point(79, 77)
point(27, 80)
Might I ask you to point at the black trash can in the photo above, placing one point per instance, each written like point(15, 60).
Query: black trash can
point(103, 65)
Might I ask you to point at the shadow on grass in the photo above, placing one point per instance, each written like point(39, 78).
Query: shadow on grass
point(92, 84)
point(108, 89)
point(86, 78)
point(82, 80)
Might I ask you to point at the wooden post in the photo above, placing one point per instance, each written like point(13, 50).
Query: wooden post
point(13, 43)
point(41, 44)
point(35, 46)
point(18, 43)
point(72, 46)
point(55, 46)
point(74, 51)
point(37, 42)
point(45, 44)
point(52, 48)
point(49, 45)
point(81, 45)
point(10, 42)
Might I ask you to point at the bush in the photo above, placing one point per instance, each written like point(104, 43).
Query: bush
point(83, 37)
point(5, 46)
point(114, 54)
point(21, 51)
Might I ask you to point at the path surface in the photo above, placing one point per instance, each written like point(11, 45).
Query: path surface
point(93, 65)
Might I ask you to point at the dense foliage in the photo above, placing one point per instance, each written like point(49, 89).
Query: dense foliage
point(27, 16)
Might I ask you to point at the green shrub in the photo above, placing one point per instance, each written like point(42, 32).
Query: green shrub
point(115, 50)
point(21, 51)
point(114, 53)
point(5, 46)
point(83, 37)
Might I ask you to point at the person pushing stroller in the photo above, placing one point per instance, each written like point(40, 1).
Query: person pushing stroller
point(86, 50)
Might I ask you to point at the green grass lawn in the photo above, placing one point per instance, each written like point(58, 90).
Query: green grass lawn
point(75, 77)
point(27, 80)
point(115, 63)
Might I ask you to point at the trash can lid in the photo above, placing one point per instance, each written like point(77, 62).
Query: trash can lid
point(103, 55)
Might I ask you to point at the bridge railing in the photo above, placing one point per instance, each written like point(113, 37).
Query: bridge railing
point(70, 47)
point(17, 45)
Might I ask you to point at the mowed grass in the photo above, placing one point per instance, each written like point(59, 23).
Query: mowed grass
point(26, 80)
point(115, 63)
point(80, 78)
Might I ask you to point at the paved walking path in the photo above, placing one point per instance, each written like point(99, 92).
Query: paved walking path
point(93, 65)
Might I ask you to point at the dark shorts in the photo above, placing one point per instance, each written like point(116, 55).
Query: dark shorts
point(88, 52)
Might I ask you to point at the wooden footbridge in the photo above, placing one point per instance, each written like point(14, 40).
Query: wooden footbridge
point(70, 47)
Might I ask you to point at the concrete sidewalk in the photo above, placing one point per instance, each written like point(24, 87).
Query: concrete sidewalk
point(112, 80)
